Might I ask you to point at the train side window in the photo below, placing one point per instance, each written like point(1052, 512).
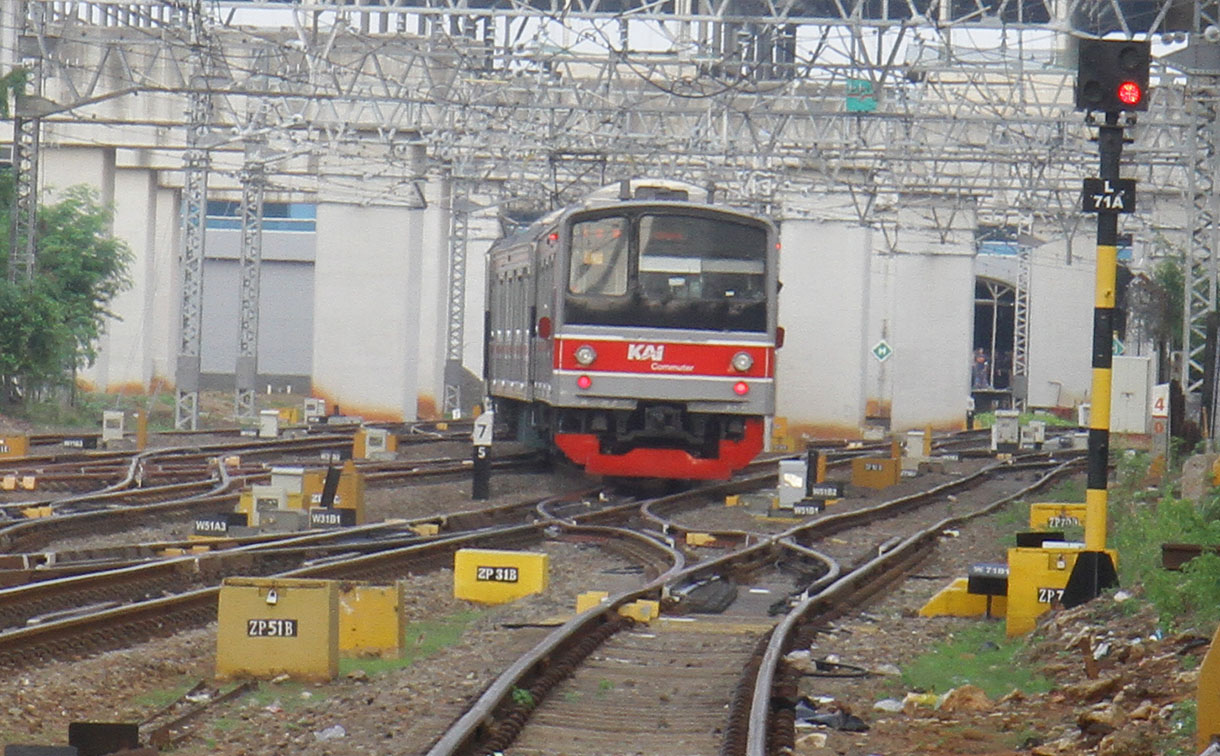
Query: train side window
point(599, 257)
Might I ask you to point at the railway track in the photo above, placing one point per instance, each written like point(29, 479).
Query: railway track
point(561, 675)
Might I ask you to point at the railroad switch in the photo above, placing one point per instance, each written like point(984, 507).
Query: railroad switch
point(493, 576)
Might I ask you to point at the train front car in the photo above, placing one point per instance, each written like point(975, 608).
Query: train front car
point(663, 354)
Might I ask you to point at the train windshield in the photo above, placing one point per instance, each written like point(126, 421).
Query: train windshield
point(685, 271)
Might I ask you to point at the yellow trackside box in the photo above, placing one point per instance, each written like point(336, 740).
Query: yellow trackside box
point(954, 600)
point(589, 599)
point(489, 576)
point(1036, 579)
point(641, 611)
point(269, 627)
point(875, 472)
point(372, 619)
point(1207, 715)
point(14, 446)
point(367, 443)
point(1055, 515)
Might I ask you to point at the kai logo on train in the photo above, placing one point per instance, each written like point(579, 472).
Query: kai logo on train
point(646, 352)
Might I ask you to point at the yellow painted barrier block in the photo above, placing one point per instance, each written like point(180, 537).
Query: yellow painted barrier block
point(875, 472)
point(268, 627)
point(442, 426)
point(1036, 579)
point(732, 501)
point(589, 599)
point(14, 446)
point(491, 576)
point(35, 512)
point(290, 415)
point(954, 601)
point(642, 610)
point(9, 483)
point(29, 482)
point(372, 619)
point(1207, 713)
point(1056, 515)
point(233, 460)
point(426, 529)
point(700, 539)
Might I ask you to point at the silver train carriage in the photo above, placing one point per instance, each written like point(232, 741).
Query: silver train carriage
point(638, 334)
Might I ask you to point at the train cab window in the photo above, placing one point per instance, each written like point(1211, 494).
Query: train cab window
point(684, 257)
point(599, 253)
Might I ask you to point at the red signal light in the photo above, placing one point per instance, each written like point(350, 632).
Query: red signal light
point(1129, 93)
point(741, 388)
point(584, 381)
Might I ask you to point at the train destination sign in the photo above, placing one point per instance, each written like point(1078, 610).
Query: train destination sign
point(1108, 196)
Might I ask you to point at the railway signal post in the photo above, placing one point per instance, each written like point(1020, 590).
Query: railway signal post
point(1112, 78)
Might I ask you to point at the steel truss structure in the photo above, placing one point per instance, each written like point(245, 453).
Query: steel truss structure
point(961, 106)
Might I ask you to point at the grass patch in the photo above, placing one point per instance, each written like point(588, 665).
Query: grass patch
point(423, 639)
point(1069, 490)
point(979, 654)
point(987, 419)
point(154, 700)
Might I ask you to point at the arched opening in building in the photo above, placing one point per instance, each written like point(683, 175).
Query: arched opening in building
point(991, 360)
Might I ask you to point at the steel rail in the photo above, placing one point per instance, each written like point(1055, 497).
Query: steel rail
point(892, 561)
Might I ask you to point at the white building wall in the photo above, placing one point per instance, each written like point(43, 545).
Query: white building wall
point(367, 282)
point(931, 301)
point(1061, 322)
point(126, 361)
point(823, 309)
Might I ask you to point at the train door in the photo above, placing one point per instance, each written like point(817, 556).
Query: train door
point(542, 316)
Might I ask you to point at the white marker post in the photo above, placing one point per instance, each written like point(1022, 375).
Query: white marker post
point(481, 438)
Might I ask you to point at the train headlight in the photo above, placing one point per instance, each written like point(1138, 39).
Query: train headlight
point(742, 361)
point(586, 354)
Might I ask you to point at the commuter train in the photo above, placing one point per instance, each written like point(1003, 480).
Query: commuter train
point(635, 331)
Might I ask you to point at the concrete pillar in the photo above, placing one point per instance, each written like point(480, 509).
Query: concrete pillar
point(367, 284)
point(823, 308)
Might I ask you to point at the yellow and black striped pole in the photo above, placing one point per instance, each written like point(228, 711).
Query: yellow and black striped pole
point(1094, 570)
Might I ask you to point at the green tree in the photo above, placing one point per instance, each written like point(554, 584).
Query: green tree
point(49, 325)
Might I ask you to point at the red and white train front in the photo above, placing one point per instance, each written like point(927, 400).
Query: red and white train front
point(660, 318)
